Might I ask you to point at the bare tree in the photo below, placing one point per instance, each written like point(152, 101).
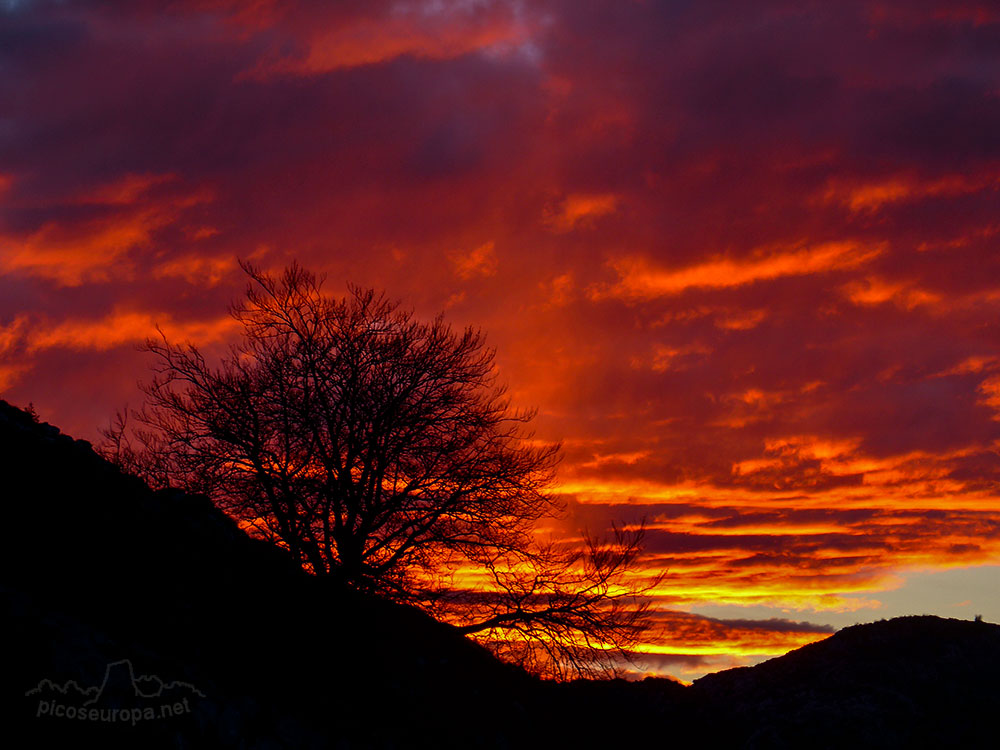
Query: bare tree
point(573, 612)
point(136, 451)
point(382, 451)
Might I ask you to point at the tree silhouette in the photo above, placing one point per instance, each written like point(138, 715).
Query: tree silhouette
point(382, 451)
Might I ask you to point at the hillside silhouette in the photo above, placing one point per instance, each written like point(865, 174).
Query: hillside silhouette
point(99, 569)
point(907, 682)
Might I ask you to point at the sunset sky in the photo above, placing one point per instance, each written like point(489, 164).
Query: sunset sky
point(743, 257)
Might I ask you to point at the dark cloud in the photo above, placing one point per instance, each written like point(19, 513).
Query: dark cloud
point(774, 625)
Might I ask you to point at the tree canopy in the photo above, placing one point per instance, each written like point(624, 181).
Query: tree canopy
point(382, 450)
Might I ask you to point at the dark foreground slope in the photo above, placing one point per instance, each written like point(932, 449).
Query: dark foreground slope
point(96, 568)
point(103, 579)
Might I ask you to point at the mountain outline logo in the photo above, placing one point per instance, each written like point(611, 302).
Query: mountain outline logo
point(120, 696)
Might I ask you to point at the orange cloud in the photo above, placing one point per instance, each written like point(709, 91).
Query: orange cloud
point(871, 196)
point(830, 547)
point(124, 191)
point(990, 394)
point(72, 253)
point(73, 256)
point(12, 335)
point(971, 365)
point(580, 209)
point(196, 269)
point(676, 358)
point(10, 374)
point(685, 633)
point(875, 291)
point(639, 279)
point(741, 321)
point(120, 328)
point(426, 31)
point(559, 291)
point(606, 458)
point(481, 262)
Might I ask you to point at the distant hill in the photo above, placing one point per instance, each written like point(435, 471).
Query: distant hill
point(908, 682)
point(125, 599)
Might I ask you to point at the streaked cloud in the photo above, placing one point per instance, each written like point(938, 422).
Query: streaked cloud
point(98, 229)
point(641, 279)
point(872, 196)
point(120, 328)
point(345, 38)
point(480, 262)
point(580, 210)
